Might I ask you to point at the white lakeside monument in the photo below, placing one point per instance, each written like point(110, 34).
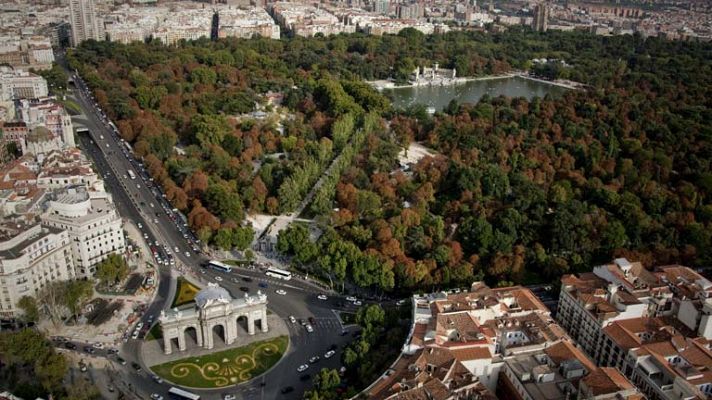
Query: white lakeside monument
point(214, 307)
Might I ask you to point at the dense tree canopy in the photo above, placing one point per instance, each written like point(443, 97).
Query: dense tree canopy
point(553, 184)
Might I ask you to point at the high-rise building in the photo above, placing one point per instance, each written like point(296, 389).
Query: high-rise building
point(541, 17)
point(85, 24)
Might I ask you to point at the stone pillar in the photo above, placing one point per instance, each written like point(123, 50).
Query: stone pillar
point(250, 324)
point(230, 328)
point(167, 346)
point(264, 320)
point(181, 341)
point(199, 336)
point(208, 339)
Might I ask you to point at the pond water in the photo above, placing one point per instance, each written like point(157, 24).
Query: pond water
point(438, 97)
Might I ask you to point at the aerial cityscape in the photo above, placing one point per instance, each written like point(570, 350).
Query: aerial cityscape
point(362, 199)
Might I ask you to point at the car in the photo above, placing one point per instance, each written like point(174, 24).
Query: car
point(136, 367)
point(400, 302)
point(138, 186)
point(287, 389)
point(70, 345)
point(292, 319)
point(98, 345)
point(110, 388)
point(302, 367)
point(156, 396)
point(176, 249)
point(304, 377)
point(155, 220)
point(187, 254)
point(112, 351)
point(157, 379)
point(246, 279)
point(82, 366)
point(262, 285)
point(322, 297)
point(329, 354)
point(229, 397)
point(151, 204)
point(351, 298)
point(107, 145)
point(121, 360)
point(309, 329)
point(139, 325)
point(134, 335)
point(303, 322)
point(280, 292)
point(140, 226)
point(219, 279)
point(145, 235)
point(314, 359)
point(244, 289)
point(89, 349)
point(357, 303)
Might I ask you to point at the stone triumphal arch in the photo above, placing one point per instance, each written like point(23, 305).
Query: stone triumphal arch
point(215, 310)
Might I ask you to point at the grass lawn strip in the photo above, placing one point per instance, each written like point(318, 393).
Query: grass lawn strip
point(224, 368)
point(185, 293)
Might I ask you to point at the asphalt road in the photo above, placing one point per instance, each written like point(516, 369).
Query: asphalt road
point(142, 202)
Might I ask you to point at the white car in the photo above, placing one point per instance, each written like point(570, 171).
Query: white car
point(303, 368)
point(322, 297)
point(292, 319)
point(219, 279)
point(329, 354)
point(156, 396)
point(357, 303)
point(351, 299)
point(309, 328)
point(98, 345)
point(139, 325)
point(281, 292)
point(187, 254)
point(229, 397)
point(176, 249)
point(135, 334)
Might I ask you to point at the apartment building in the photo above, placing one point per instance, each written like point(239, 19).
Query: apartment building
point(31, 256)
point(15, 132)
point(84, 21)
point(92, 223)
point(20, 84)
point(47, 112)
point(26, 52)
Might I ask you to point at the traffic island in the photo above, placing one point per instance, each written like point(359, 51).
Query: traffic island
point(224, 368)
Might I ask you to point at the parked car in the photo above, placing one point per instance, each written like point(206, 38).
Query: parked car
point(322, 297)
point(314, 359)
point(281, 292)
point(310, 329)
point(351, 299)
point(70, 345)
point(136, 367)
point(329, 354)
point(292, 319)
point(302, 368)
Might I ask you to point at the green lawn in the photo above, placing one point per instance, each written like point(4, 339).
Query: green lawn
point(225, 368)
point(185, 293)
point(154, 333)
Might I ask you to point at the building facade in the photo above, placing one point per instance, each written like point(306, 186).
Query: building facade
point(31, 256)
point(92, 223)
point(84, 21)
point(19, 84)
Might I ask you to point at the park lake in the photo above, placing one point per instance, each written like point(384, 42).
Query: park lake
point(471, 91)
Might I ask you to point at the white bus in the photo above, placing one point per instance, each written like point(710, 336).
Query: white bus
point(176, 393)
point(218, 266)
point(131, 174)
point(278, 273)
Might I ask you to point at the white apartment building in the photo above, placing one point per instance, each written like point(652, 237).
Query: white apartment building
point(85, 23)
point(31, 256)
point(92, 223)
point(19, 84)
point(45, 111)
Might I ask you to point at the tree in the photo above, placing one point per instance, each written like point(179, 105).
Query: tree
point(77, 293)
point(370, 316)
point(50, 301)
point(209, 129)
point(29, 307)
point(112, 270)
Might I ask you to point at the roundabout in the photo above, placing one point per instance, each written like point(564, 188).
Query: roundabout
point(224, 368)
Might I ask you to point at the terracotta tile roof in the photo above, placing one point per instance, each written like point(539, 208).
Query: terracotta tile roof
point(563, 350)
point(472, 353)
point(606, 381)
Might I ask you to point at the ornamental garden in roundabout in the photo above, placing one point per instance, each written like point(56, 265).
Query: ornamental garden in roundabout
point(224, 368)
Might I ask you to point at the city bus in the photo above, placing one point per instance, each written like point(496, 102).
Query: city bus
point(278, 273)
point(218, 266)
point(131, 174)
point(176, 393)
